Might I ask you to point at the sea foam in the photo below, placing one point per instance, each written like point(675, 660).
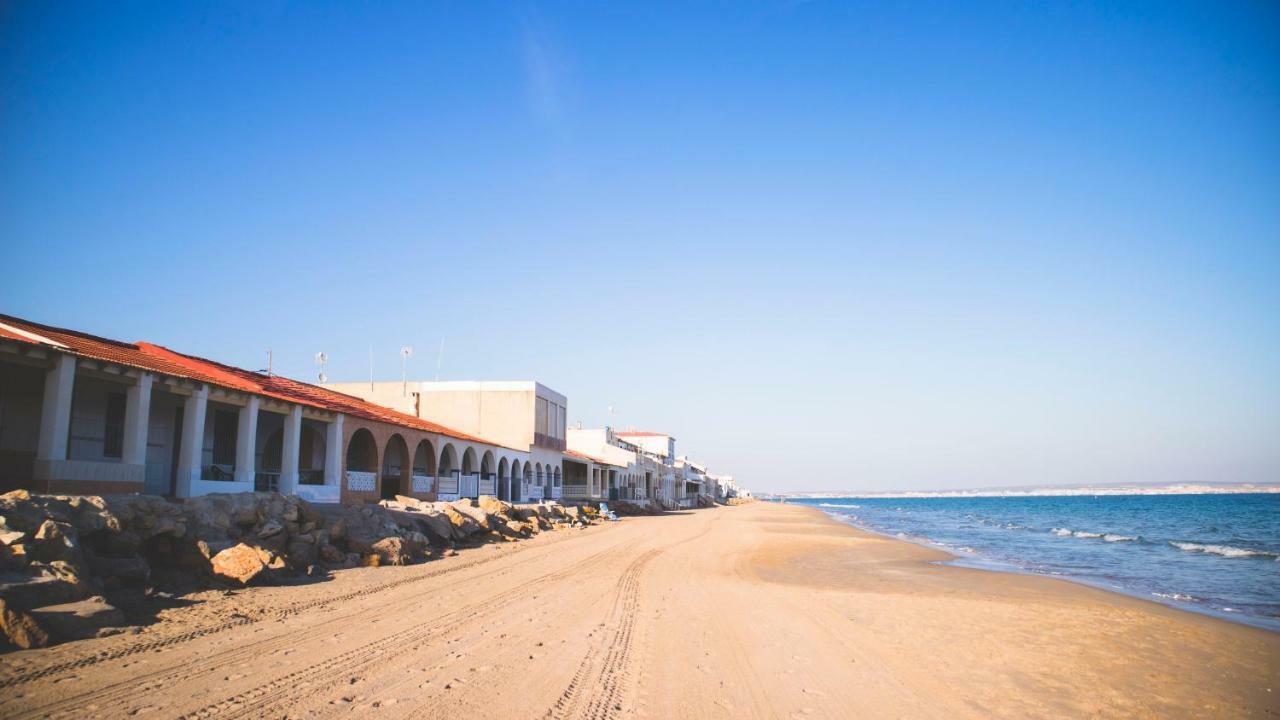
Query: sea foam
point(1223, 550)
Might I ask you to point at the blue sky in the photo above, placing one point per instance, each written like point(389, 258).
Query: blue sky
point(826, 245)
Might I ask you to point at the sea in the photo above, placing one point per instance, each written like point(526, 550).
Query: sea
point(1217, 554)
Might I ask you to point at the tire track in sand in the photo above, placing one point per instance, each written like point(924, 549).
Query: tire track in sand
point(140, 685)
point(268, 698)
point(613, 658)
point(161, 643)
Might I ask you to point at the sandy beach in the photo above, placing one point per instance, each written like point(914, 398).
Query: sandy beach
point(760, 611)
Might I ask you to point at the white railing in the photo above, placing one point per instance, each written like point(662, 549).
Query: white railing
point(556, 493)
point(535, 492)
point(470, 485)
point(422, 483)
point(577, 490)
point(360, 481)
point(449, 484)
point(488, 486)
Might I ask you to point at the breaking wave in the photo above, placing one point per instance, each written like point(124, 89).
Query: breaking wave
point(1108, 537)
point(1224, 550)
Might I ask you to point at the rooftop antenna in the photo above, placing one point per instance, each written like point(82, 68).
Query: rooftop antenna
point(321, 359)
point(406, 352)
point(439, 357)
point(370, 368)
point(268, 362)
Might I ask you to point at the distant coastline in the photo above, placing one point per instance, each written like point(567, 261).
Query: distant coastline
point(1048, 491)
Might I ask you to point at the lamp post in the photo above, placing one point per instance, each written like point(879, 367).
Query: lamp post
point(406, 352)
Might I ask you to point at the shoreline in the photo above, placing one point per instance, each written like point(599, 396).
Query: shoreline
point(954, 559)
point(753, 611)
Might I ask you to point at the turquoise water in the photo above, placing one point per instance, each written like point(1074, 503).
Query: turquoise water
point(1218, 554)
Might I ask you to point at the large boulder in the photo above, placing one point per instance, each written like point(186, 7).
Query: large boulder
point(120, 572)
point(394, 551)
point(56, 541)
point(78, 620)
point(20, 629)
point(241, 564)
point(438, 527)
point(467, 507)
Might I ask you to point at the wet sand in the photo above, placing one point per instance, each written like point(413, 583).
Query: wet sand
point(760, 611)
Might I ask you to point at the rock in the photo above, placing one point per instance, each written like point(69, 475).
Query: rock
point(438, 527)
point(247, 517)
point(478, 516)
point(56, 541)
point(78, 620)
point(493, 506)
point(338, 529)
point(20, 629)
point(395, 551)
point(125, 572)
point(25, 591)
point(13, 557)
point(271, 528)
point(125, 543)
point(303, 552)
point(332, 555)
point(241, 564)
point(519, 528)
point(463, 525)
point(11, 537)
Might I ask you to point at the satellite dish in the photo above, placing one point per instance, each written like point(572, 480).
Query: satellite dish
point(321, 358)
point(324, 378)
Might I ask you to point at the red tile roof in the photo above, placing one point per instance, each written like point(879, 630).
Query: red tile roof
point(155, 358)
point(639, 433)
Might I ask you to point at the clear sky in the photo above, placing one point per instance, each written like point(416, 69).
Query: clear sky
point(828, 245)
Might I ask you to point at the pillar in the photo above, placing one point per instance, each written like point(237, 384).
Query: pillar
point(55, 414)
point(333, 452)
point(289, 450)
point(191, 452)
point(137, 416)
point(247, 442)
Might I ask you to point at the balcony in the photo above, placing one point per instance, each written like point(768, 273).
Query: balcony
point(576, 491)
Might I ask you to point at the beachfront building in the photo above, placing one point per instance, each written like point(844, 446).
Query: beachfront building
point(632, 472)
point(692, 482)
point(82, 414)
point(524, 415)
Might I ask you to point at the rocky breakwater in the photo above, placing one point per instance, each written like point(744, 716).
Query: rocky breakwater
point(472, 521)
point(68, 564)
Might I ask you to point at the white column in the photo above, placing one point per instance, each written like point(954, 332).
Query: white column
point(247, 441)
point(137, 416)
point(191, 452)
point(289, 450)
point(333, 452)
point(55, 414)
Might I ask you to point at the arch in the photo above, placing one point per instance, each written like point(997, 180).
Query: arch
point(504, 481)
point(362, 452)
point(424, 459)
point(558, 477)
point(469, 461)
point(273, 451)
point(486, 463)
point(394, 478)
point(448, 460)
point(537, 474)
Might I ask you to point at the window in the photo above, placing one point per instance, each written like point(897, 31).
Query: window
point(540, 419)
point(225, 423)
point(113, 439)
